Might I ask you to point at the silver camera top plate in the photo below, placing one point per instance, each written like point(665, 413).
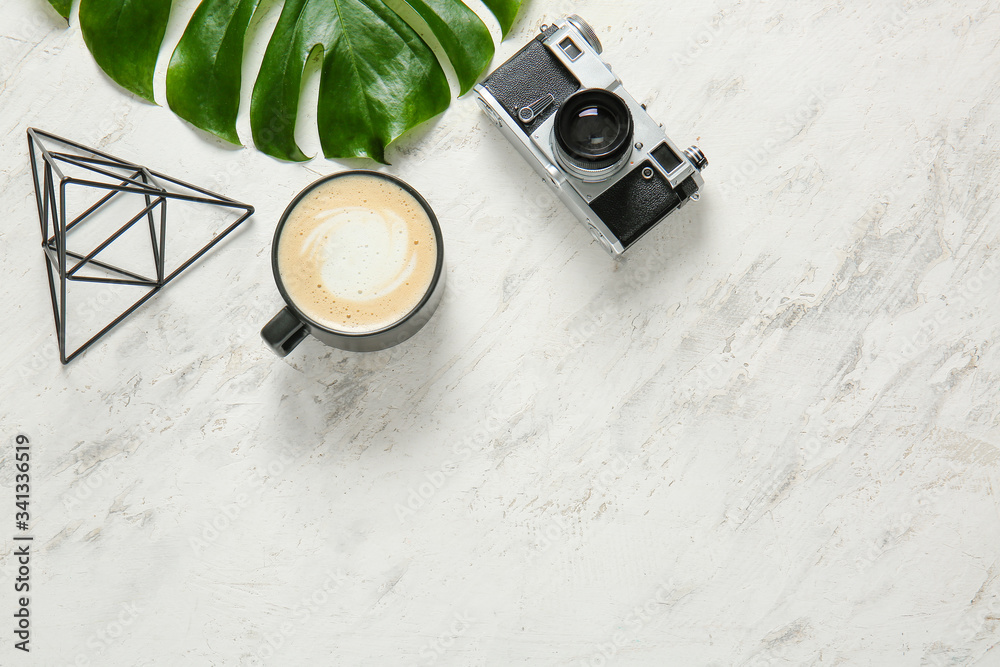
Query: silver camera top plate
point(592, 72)
point(577, 53)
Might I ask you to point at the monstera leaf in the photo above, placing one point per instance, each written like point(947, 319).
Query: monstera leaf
point(378, 77)
point(62, 6)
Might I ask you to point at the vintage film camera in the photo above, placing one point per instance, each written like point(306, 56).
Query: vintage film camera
point(567, 113)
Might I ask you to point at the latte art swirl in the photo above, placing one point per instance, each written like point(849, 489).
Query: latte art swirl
point(364, 254)
point(357, 254)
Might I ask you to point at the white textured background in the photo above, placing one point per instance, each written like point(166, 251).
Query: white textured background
point(768, 437)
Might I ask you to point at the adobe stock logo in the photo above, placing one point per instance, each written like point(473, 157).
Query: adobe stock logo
point(700, 40)
point(103, 638)
point(493, 426)
point(760, 155)
point(630, 626)
point(436, 647)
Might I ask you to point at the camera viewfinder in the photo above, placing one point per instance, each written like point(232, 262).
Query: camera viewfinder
point(666, 157)
point(571, 50)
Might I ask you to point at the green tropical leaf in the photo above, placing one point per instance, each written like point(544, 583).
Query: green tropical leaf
point(62, 6)
point(378, 78)
point(124, 36)
point(505, 11)
point(464, 38)
point(204, 76)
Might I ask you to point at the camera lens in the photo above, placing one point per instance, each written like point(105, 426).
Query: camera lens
point(593, 132)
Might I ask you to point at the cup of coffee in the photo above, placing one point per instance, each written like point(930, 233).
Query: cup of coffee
point(359, 260)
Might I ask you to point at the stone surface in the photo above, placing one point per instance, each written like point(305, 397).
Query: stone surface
point(768, 437)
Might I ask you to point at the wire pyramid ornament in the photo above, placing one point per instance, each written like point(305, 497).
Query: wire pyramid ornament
point(112, 178)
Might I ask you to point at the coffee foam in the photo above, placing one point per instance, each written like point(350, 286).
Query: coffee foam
point(357, 253)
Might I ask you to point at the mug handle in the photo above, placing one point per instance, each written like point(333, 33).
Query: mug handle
point(283, 332)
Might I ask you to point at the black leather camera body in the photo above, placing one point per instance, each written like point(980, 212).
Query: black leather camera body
point(568, 115)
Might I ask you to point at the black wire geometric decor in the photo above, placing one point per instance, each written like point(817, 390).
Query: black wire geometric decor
point(112, 179)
